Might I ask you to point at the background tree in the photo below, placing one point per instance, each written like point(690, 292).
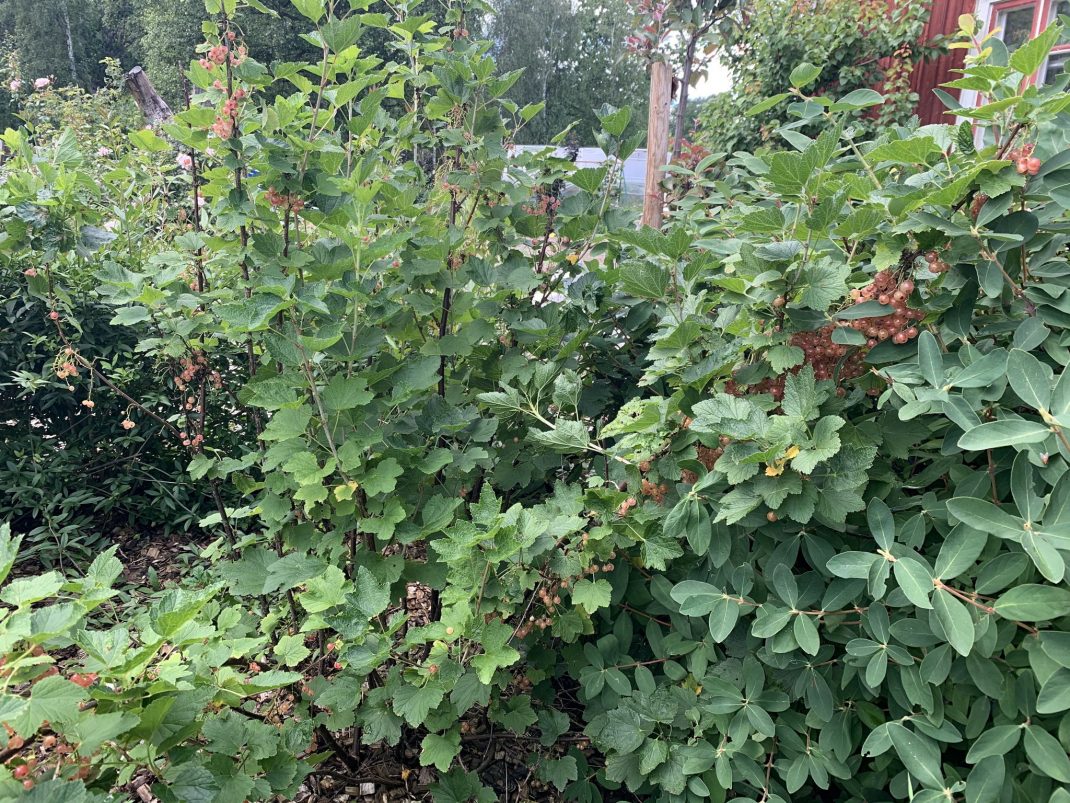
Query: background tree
point(682, 33)
point(859, 45)
point(573, 58)
point(65, 37)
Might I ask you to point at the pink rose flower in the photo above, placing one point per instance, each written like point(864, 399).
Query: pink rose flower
point(42, 83)
point(185, 161)
point(15, 85)
point(103, 152)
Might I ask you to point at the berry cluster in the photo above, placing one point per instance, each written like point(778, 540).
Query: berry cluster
point(194, 366)
point(936, 264)
point(544, 205)
point(653, 491)
point(627, 505)
point(67, 369)
point(550, 594)
point(194, 442)
point(836, 361)
point(1024, 160)
point(279, 200)
point(218, 55)
point(887, 290)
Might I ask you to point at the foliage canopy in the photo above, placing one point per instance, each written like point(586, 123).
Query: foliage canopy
point(773, 503)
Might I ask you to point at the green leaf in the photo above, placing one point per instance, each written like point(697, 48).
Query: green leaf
point(1028, 58)
point(766, 104)
point(592, 594)
point(782, 358)
point(723, 619)
point(440, 750)
point(559, 771)
point(915, 150)
point(823, 284)
point(1047, 755)
point(959, 551)
point(918, 754)
point(644, 280)
point(982, 372)
point(803, 75)
point(955, 621)
point(930, 359)
point(689, 519)
point(806, 634)
point(867, 309)
point(1033, 603)
point(881, 523)
point(852, 565)
point(1030, 379)
point(588, 178)
point(414, 703)
point(291, 650)
point(9, 550)
point(1055, 693)
point(769, 623)
point(985, 781)
point(382, 479)
point(287, 423)
point(915, 581)
point(858, 99)
point(346, 393)
point(54, 699)
point(27, 590)
point(996, 741)
point(986, 517)
point(565, 438)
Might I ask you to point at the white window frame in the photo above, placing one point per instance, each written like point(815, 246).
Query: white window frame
point(984, 10)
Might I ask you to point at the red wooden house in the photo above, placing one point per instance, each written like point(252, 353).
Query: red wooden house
point(1016, 21)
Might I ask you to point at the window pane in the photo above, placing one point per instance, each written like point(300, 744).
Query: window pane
point(1016, 26)
point(1061, 7)
point(1056, 66)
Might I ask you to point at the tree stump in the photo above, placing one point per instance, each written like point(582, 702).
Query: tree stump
point(153, 107)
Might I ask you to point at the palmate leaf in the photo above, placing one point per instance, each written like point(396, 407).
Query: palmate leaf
point(566, 437)
point(823, 284)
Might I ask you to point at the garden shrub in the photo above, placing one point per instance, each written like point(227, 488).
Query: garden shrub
point(768, 505)
point(859, 44)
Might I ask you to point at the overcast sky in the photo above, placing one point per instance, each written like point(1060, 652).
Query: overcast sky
point(717, 80)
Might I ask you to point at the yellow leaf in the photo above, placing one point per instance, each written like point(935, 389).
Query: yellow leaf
point(967, 24)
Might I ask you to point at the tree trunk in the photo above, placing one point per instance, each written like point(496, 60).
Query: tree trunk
point(70, 42)
point(153, 108)
point(657, 142)
point(681, 104)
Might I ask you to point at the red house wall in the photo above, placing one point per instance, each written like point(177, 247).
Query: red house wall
point(929, 75)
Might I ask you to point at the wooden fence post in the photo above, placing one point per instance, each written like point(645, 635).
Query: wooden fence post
point(657, 142)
